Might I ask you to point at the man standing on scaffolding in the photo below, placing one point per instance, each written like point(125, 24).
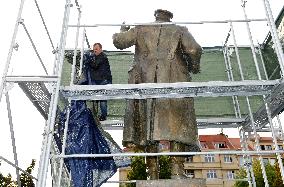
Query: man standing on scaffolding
point(98, 73)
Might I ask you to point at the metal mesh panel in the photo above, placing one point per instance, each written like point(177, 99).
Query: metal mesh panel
point(38, 94)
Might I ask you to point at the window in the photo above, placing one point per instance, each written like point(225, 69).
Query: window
point(280, 147)
point(164, 146)
point(220, 145)
point(268, 147)
point(272, 161)
point(189, 173)
point(228, 159)
point(189, 159)
point(211, 174)
point(265, 161)
point(231, 174)
point(241, 161)
point(203, 145)
point(209, 158)
point(262, 147)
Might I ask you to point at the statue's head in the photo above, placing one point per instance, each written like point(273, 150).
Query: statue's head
point(163, 15)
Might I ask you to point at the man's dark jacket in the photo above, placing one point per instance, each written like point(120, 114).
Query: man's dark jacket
point(98, 66)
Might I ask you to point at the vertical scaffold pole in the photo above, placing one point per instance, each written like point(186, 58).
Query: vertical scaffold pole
point(13, 138)
point(6, 68)
point(82, 51)
point(69, 101)
point(266, 77)
point(63, 147)
point(280, 126)
point(267, 107)
point(273, 32)
point(53, 105)
point(231, 78)
point(248, 101)
point(245, 158)
point(262, 62)
point(76, 46)
point(249, 158)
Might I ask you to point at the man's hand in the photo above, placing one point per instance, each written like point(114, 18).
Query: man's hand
point(88, 57)
point(124, 28)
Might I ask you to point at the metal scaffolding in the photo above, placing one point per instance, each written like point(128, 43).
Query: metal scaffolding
point(47, 100)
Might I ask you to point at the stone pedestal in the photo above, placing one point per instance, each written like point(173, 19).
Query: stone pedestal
point(172, 183)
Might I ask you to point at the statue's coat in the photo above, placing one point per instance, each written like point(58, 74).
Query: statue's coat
point(163, 54)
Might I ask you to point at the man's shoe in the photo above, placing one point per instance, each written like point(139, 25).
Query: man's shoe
point(102, 118)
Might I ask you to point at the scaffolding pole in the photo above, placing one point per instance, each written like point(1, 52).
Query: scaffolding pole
point(53, 106)
point(250, 175)
point(273, 32)
point(230, 76)
point(13, 138)
point(73, 71)
point(12, 45)
point(82, 52)
point(166, 153)
point(167, 23)
point(16, 166)
point(248, 103)
point(245, 158)
point(280, 126)
point(264, 98)
point(45, 27)
point(33, 45)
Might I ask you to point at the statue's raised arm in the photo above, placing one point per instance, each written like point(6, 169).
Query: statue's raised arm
point(126, 38)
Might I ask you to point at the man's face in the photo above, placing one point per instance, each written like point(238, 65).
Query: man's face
point(97, 50)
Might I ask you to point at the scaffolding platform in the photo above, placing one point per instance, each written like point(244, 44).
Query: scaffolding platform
point(169, 90)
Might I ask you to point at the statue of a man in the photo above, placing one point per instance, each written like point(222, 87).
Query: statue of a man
point(164, 53)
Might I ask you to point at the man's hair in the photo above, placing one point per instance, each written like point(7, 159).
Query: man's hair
point(99, 44)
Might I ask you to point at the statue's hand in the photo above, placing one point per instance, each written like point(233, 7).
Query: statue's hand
point(124, 28)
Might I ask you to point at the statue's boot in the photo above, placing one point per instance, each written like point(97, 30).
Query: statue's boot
point(177, 168)
point(176, 164)
point(152, 162)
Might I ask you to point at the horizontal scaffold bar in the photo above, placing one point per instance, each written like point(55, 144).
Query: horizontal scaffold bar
point(201, 123)
point(170, 154)
point(216, 179)
point(26, 78)
point(169, 90)
point(166, 23)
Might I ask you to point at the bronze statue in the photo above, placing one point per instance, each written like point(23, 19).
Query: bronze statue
point(165, 53)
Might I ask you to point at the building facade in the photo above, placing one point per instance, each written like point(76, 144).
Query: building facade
point(217, 169)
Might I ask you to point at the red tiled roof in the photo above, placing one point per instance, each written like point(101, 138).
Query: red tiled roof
point(237, 144)
point(265, 139)
point(210, 139)
point(268, 139)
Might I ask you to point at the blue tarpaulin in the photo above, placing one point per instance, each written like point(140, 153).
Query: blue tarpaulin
point(85, 137)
